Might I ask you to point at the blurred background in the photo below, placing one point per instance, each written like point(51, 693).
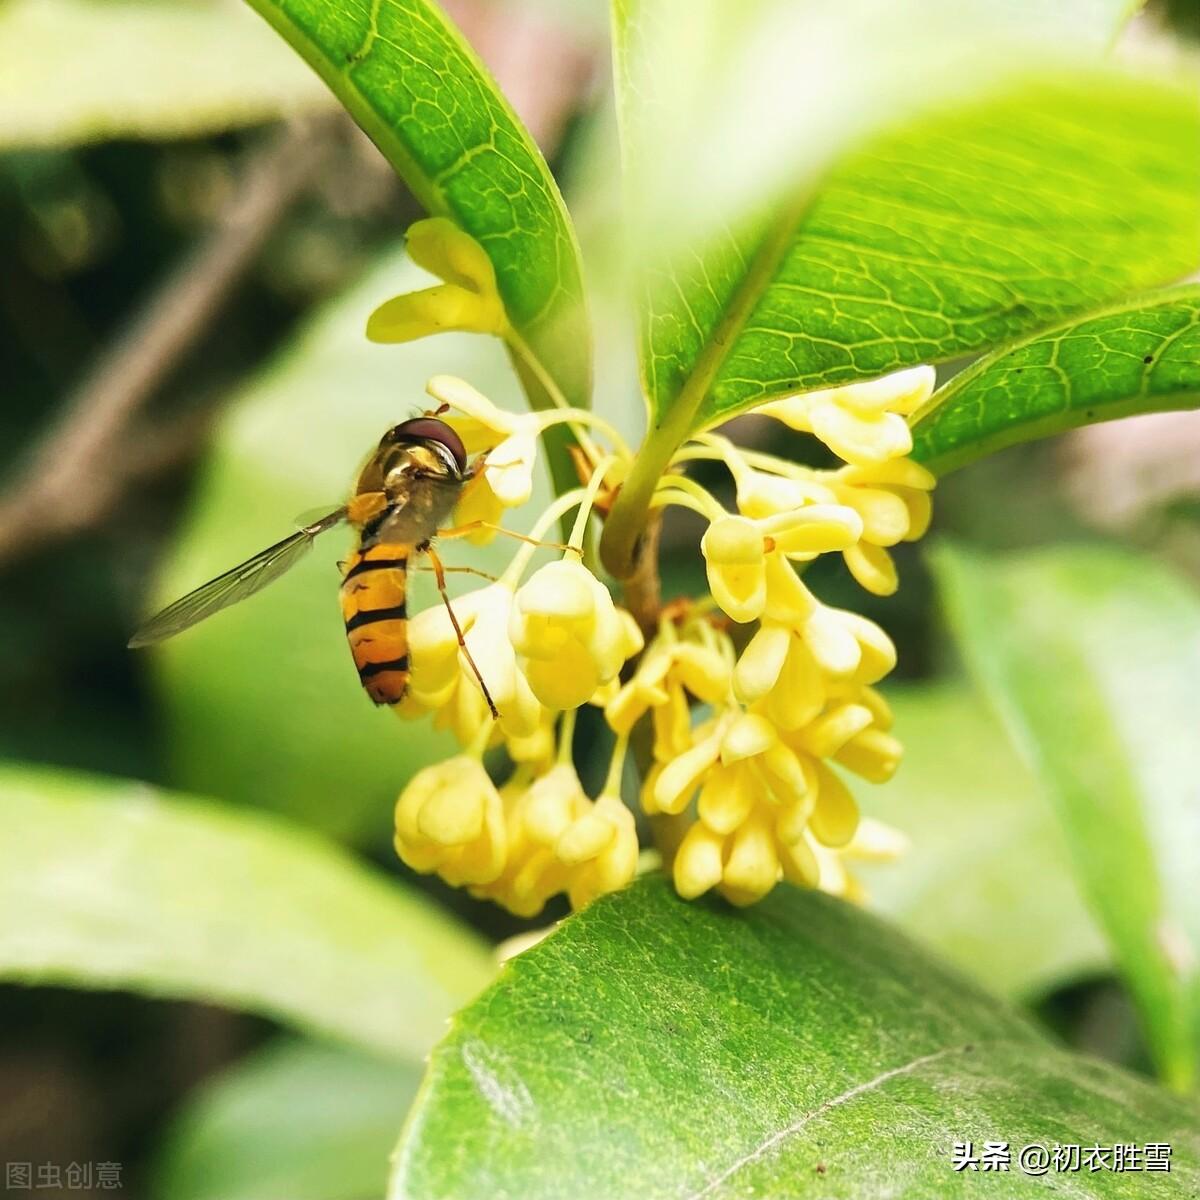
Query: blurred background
point(191, 237)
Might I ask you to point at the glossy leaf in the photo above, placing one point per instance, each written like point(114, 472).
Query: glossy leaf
point(409, 79)
point(961, 232)
point(1140, 357)
point(82, 70)
point(262, 703)
point(1091, 655)
point(800, 1048)
point(297, 1119)
point(108, 884)
point(987, 884)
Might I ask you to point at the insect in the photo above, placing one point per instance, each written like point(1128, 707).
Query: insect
point(404, 495)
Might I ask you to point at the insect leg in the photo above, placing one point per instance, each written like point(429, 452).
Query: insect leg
point(439, 573)
point(475, 526)
point(464, 571)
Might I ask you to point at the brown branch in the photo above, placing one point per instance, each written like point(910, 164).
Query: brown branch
point(75, 475)
point(643, 589)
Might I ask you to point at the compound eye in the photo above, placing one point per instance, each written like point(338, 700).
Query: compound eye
point(430, 429)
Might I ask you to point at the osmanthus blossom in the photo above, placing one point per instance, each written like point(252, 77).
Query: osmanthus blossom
point(757, 700)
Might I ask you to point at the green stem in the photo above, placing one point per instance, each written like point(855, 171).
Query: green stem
point(623, 529)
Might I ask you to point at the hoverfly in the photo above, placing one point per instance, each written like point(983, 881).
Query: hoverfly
point(405, 493)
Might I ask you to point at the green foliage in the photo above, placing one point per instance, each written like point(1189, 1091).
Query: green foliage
point(963, 229)
point(951, 234)
point(1142, 356)
point(652, 1047)
point(1091, 655)
point(409, 79)
point(988, 883)
point(109, 884)
point(262, 702)
point(82, 70)
point(297, 1119)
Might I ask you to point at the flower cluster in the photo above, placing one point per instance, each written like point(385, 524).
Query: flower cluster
point(761, 765)
point(756, 699)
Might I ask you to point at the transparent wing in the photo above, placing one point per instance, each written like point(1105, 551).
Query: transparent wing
point(243, 580)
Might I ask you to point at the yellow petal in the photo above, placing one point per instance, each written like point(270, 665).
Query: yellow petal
point(832, 643)
point(703, 671)
point(734, 560)
point(831, 731)
point(920, 513)
point(509, 468)
point(877, 651)
point(468, 400)
point(861, 438)
point(785, 774)
point(726, 799)
point(799, 863)
point(896, 472)
point(815, 529)
point(448, 251)
point(697, 865)
point(876, 842)
point(873, 754)
point(885, 516)
point(554, 801)
point(444, 308)
point(752, 868)
point(761, 662)
point(749, 735)
point(584, 838)
point(835, 817)
point(788, 601)
point(900, 392)
point(873, 567)
point(800, 693)
point(452, 816)
point(568, 679)
point(479, 503)
point(682, 775)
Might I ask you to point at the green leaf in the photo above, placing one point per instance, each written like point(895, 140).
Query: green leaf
point(652, 1047)
point(297, 1119)
point(988, 884)
point(409, 79)
point(107, 884)
point(1139, 357)
point(959, 231)
point(262, 702)
point(82, 70)
point(1091, 656)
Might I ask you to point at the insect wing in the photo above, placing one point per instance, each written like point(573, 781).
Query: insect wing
point(237, 584)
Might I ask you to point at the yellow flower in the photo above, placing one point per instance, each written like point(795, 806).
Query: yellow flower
point(442, 680)
point(467, 300)
point(893, 501)
point(666, 674)
point(863, 423)
point(738, 551)
point(450, 819)
point(535, 817)
point(568, 634)
point(560, 840)
point(601, 850)
point(745, 749)
point(735, 558)
point(510, 441)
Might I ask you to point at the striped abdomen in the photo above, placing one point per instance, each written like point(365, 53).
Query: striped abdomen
point(374, 591)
